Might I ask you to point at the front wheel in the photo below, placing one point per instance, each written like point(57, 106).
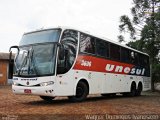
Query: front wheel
point(47, 98)
point(81, 92)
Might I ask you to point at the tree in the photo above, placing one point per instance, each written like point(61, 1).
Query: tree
point(144, 30)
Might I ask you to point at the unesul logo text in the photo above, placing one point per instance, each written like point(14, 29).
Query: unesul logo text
point(122, 69)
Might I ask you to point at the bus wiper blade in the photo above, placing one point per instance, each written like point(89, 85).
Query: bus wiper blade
point(33, 63)
point(23, 62)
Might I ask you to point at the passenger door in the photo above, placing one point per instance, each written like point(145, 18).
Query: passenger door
point(65, 77)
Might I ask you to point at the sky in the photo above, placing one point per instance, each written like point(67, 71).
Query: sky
point(98, 17)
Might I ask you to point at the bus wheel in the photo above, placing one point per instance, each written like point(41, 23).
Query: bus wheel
point(139, 89)
point(81, 92)
point(47, 98)
point(133, 90)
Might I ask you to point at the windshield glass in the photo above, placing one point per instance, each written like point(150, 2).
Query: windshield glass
point(51, 35)
point(36, 60)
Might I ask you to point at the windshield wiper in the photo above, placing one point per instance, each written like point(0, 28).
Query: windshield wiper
point(33, 62)
point(24, 62)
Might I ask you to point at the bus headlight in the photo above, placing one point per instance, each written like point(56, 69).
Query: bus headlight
point(14, 83)
point(47, 83)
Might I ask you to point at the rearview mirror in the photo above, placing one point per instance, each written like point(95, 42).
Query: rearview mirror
point(14, 47)
point(10, 50)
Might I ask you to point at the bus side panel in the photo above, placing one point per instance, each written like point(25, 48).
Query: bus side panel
point(94, 80)
point(98, 82)
point(65, 84)
point(117, 83)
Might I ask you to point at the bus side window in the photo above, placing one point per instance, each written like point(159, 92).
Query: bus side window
point(136, 58)
point(132, 57)
point(142, 60)
point(102, 48)
point(145, 61)
point(125, 55)
point(87, 44)
point(69, 40)
point(114, 52)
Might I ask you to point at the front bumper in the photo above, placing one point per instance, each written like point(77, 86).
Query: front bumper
point(40, 91)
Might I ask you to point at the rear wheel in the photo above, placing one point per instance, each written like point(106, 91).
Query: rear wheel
point(81, 92)
point(133, 90)
point(47, 98)
point(139, 89)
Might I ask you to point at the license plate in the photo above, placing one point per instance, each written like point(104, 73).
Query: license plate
point(28, 91)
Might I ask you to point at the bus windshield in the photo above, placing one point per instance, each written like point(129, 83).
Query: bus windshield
point(36, 56)
point(36, 60)
point(51, 35)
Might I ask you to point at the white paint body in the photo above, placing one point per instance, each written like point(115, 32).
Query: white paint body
point(65, 85)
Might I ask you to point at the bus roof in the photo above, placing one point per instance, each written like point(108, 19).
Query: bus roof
point(86, 32)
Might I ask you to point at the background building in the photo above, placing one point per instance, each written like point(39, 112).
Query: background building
point(6, 69)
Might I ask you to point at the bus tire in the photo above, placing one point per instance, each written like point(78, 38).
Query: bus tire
point(82, 91)
point(139, 89)
point(133, 90)
point(47, 98)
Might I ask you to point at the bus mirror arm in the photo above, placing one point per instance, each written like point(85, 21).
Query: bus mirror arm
point(14, 47)
point(10, 51)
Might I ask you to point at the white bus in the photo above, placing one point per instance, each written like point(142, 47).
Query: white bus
point(68, 62)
